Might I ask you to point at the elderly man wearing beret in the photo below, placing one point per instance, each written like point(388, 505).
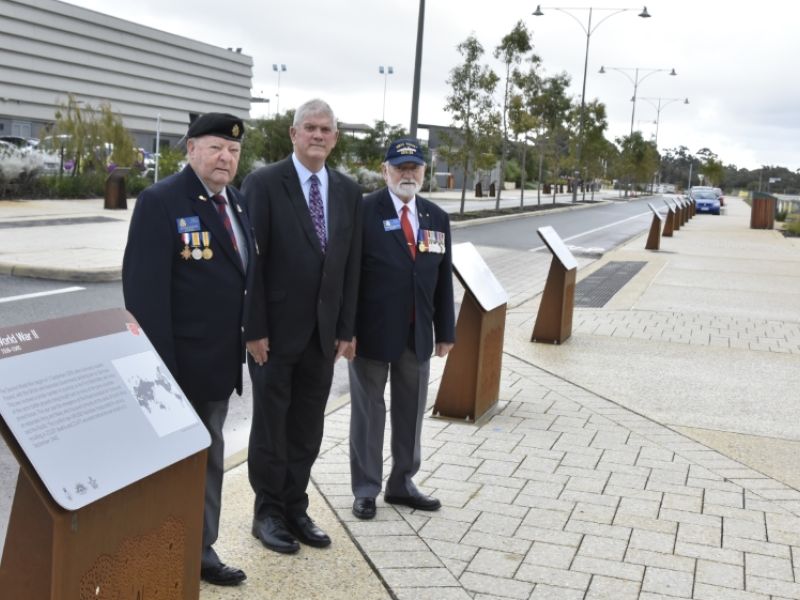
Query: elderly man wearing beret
point(184, 275)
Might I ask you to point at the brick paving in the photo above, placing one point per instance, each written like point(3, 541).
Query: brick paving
point(564, 494)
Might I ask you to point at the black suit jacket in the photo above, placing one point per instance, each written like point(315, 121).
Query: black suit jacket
point(191, 310)
point(296, 288)
point(393, 284)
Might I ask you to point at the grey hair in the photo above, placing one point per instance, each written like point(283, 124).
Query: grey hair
point(313, 107)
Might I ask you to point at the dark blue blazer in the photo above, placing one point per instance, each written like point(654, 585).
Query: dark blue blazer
point(392, 282)
point(191, 310)
point(297, 290)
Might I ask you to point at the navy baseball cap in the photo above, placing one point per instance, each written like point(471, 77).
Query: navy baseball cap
point(218, 124)
point(404, 150)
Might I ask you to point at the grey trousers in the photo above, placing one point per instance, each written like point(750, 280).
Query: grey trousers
point(213, 414)
point(408, 391)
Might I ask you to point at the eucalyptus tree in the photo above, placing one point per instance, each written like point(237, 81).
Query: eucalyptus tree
point(511, 51)
point(471, 106)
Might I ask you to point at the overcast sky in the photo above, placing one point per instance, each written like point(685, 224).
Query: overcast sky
point(736, 61)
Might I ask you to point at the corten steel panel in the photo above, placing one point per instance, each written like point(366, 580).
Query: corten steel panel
point(554, 320)
point(143, 541)
point(470, 383)
point(654, 236)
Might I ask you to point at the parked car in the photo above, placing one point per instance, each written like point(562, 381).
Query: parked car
point(718, 192)
point(706, 201)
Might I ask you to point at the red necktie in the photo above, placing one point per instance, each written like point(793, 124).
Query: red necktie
point(220, 201)
point(408, 231)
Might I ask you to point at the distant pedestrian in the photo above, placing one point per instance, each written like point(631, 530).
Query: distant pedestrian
point(405, 302)
point(184, 275)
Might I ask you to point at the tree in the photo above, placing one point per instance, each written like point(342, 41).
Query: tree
point(639, 159)
point(370, 150)
point(553, 105)
point(93, 137)
point(472, 109)
point(511, 50)
point(523, 111)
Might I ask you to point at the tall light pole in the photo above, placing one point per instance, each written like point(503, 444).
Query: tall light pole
point(588, 30)
point(278, 69)
point(659, 106)
point(385, 72)
point(417, 71)
point(636, 80)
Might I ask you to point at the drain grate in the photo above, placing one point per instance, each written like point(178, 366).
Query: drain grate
point(599, 287)
point(51, 222)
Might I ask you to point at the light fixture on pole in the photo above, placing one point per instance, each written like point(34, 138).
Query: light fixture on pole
point(636, 80)
point(385, 72)
point(659, 106)
point(588, 30)
point(278, 69)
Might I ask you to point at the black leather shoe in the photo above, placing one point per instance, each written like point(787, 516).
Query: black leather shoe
point(222, 574)
point(364, 508)
point(418, 501)
point(307, 531)
point(274, 534)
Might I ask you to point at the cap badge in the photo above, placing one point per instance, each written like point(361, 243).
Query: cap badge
point(235, 131)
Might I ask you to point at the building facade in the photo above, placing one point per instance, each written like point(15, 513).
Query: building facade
point(51, 49)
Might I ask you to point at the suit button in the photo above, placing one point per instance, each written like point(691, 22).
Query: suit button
point(245, 292)
point(242, 329)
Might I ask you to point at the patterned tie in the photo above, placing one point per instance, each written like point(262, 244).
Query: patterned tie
point(220, 201)
point(408, 231)
point(317, 212)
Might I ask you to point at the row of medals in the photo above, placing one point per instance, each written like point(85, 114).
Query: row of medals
point(200, 242)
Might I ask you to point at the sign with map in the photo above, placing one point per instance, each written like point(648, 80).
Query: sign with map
point(92, 406)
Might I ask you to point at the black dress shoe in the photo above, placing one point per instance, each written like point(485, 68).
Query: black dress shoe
point(222, 574)
point(273, 533)
point(307, 531)
point(418, 501)
point(364, 508)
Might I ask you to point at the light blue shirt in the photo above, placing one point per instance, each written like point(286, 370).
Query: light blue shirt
point(305, 182)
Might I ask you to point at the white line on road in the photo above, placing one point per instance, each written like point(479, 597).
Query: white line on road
point(615, 223)
point(40, 294)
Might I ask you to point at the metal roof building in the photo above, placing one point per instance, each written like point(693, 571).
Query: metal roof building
point(50, 49)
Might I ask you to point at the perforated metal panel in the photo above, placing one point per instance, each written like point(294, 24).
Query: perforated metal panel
point(599, 287)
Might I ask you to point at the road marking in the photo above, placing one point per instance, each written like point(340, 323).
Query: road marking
point(614, 224)
point(40, 294)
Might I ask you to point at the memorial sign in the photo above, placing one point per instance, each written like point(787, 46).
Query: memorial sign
point(92, 406)
point(476, 276)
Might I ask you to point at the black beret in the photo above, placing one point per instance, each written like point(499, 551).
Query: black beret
point(219, 124)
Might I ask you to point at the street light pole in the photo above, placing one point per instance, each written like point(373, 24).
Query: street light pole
point(417, 71)
point(588, 30)
point(385, 72)
point(278, 69)
point(635, 80)
point(659, 107)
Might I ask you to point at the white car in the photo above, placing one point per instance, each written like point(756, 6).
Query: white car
point(14, 163)
point(34, 160)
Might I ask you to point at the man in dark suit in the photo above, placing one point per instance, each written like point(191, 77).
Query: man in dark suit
point(184, 276)
point(405, 297)
point(307, 223)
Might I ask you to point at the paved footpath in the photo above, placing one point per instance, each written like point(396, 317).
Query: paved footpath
point(570, 488)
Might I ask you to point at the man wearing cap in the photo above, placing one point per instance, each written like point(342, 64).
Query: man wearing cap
point(405, 299)
point(307, 222)
point(184, 274)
